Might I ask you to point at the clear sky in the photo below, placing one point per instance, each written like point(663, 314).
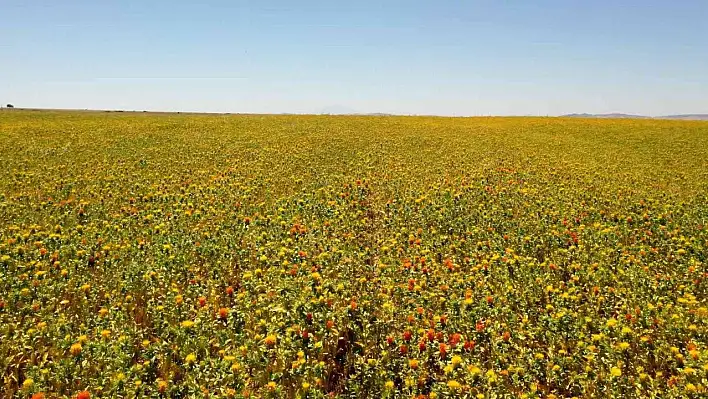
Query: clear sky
point(461, 57)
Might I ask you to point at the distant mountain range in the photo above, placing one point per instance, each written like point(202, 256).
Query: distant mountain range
point(691, 117)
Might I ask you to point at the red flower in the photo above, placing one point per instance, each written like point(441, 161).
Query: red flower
point(443, 350)
point(404, 349)
point(431, 335)
point(469, 345)
point(439, 336)
point(202, 301)
point(229, 290)
point(506, 336)
point(455, 339)
point(83, 395)
point(407, 336)
point(480, 326)
point(421, 346)
point(330, 324)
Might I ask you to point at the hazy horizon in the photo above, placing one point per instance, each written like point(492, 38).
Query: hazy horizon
point(413, 57)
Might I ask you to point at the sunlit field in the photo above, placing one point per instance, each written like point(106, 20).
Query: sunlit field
point(193, 256)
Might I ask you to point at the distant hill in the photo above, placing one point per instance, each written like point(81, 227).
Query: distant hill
point(337, 110)
point(687, 117)
point(607, 116)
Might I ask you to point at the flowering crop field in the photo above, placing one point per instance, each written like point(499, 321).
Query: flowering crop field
point(190, 256)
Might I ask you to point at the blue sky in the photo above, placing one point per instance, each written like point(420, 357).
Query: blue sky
point(411, 57)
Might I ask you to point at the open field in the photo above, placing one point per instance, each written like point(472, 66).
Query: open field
point(305, 256)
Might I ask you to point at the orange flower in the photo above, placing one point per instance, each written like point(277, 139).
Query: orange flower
point(83, 395)
point(223, 313)
point(229, 290)
point(38, 395)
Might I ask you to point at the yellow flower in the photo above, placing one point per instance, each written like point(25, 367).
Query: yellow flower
point(456, 360)
point(491, 376)
point(191, 358)
point(187, 324)
point(272, 385)
point(27, 384)
point(270, 340)
point(616, 372)
point(105, 333)
point(161, 385)
point(690, 388)
point(454, 385)
point(75, 349)
point(413, 363)
point(611, 323)
point(305, 386)
point(388, 385)
point(623, 346)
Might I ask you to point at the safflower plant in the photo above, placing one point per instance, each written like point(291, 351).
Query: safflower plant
point(248, 256)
